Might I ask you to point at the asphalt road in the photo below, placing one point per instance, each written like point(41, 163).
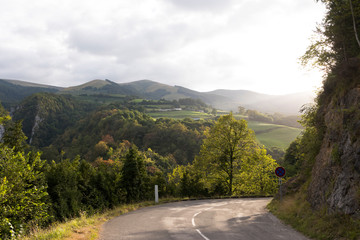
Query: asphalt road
point(202, 220)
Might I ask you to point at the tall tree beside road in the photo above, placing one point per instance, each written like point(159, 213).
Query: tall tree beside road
point(227, 144)
point(134, 176)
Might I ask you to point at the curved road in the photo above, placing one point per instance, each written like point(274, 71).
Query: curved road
point(202, 220)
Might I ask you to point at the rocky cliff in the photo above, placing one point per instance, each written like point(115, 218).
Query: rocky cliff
point(335, 178)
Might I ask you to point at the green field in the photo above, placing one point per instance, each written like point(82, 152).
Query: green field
point(180, 114)
point(269, 135)
point(272, 135)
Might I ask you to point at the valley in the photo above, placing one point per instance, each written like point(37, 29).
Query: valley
point(163, 101)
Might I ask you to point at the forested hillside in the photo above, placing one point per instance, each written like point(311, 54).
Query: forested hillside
point(323, 199)
point(11, 92)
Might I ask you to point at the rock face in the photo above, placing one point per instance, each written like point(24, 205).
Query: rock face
point(335, 182)
point(37, 122)
point(2, 131)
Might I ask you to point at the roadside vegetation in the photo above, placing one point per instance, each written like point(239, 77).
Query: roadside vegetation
point(86, 226)
point(297, 212)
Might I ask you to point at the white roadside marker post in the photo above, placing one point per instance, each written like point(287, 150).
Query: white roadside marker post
point(156, 194)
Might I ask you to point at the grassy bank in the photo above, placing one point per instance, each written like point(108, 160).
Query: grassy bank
point(296, 211)
point(85, 227)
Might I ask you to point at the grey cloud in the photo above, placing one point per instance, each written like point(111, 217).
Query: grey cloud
point(129, 45)
point(31, 64)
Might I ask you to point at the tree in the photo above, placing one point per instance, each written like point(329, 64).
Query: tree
point(134, 176)
point(63, 182)
point(242, 110)
point(227, 144)
point(354, 22)
point(23, 196)
point(336, 39)
point(186, 182)
point(14, 137)
point(258, 174)
point(291, 158)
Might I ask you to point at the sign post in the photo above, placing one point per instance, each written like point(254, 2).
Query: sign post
point(156, 194)
point(280, 172)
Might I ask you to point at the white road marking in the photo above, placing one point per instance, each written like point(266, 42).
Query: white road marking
point(193, 223)
point(202, 234)
point(206, 209)
point(193, 218)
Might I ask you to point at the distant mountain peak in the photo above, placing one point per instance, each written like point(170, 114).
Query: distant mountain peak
point(149, 89)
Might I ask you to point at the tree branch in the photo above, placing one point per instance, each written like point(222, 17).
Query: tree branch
point(354, 24)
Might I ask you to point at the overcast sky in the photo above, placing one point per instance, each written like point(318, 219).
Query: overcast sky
point(199, 44)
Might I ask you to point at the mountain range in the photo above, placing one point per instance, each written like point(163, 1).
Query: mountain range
point(13, 91)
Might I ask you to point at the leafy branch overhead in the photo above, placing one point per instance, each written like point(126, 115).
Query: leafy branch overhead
point(336, 38)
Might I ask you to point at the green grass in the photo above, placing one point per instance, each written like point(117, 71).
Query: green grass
point(180, 114)
point(316, 224)
point(138, 100)
point(272, 135)
point(100, 99)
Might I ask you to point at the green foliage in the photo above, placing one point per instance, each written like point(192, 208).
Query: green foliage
point(336, 41)
point(310, 143)
point(13, 136)
point(76, 186)
point(181, 139)
point(257, 175)
point(165, 164)
point(292, 158)
point(62, 179)
point(134, 176)
point(46, 116)
point(230, 161)
point(118, 124)
point(276, 153)
point(186, 182)
point(13, 93)
point(336, 155)
point(296, 211)
point(191, 184)
point(258, 116)
point(3, 114)
point(301, 154)
point(23, 196)
point(173, 137)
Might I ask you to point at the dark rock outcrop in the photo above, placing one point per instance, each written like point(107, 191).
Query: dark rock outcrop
point(335, 178)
